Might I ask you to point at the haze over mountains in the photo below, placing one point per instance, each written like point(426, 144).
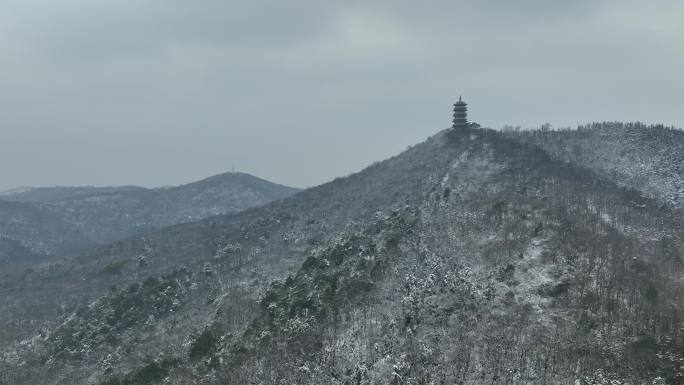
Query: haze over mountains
point(475, 257)
point(47, 221)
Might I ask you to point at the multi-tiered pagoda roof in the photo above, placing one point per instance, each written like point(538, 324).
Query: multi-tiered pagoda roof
point(460, 114)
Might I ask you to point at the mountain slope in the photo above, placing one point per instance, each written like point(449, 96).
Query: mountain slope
point(470, 258)
point(647, 158)
point(100, 215)
point(107, 217)
point(27, 230)
point(49, 194)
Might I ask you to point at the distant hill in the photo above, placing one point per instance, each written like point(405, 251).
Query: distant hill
point(27, 230)
point(16, 190)
point(57, 220)
point(49, 194)
point(475, 257)
point(28, 233)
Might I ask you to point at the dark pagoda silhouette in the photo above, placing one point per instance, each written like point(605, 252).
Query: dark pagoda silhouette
point(460, 115)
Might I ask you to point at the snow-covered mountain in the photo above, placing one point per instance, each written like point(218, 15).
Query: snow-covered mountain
point(475, 257)
point(29, 232)
point(58, 220)
point(16, 191)
point(50, 194)
point(647, 158)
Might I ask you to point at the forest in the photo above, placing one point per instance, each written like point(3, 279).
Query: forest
point(475, 257)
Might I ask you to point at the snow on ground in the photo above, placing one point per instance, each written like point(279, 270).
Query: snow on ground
point(532, 275)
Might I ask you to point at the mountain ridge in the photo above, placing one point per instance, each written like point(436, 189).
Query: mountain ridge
point(31, 194)
point(100, 215)
point(648, 158)
point(529, 242)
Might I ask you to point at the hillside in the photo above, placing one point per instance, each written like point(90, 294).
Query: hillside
point(27, 232)
point(647, 158)
point(49, 194)
point(117, 215)
point(88, 216)
point(470, 258)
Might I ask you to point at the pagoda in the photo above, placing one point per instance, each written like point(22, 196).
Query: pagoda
point(460, 115)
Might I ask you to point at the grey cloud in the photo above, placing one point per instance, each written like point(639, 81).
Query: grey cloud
point(108, 29)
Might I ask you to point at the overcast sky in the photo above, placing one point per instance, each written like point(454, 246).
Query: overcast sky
point(152, 93)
